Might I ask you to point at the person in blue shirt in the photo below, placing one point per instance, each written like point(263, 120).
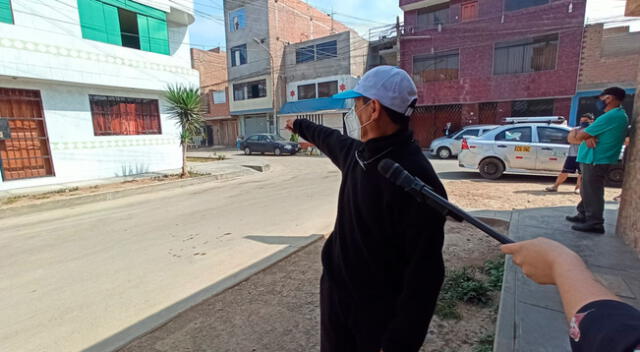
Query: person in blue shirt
point(600, 147)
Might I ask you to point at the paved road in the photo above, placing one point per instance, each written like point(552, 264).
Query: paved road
point(72, 277)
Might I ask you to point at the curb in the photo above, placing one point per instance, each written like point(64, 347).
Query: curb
point(105, 196)
point(157, 320)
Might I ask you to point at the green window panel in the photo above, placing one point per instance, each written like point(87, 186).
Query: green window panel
point(99, 21)
point(154, 34)
point(5, 11)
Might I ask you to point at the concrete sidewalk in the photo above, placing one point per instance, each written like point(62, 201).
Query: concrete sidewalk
point(531, 317)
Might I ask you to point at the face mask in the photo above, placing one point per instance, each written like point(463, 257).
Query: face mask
point(584, 124)
point(601, 105)
point(352, 122)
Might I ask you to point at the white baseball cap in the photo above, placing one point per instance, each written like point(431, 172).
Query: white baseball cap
point(390, 85)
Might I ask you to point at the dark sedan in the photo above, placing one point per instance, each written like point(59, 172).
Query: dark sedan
point(268, 143)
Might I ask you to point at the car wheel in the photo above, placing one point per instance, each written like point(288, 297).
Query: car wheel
point(277, 151)
point(444, 153)
point(247, 151)
point(491, 168)
point(615, 176)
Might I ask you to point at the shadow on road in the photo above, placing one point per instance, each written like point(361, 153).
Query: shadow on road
point(475, 176)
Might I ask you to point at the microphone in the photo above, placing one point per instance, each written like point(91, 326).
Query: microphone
point(423, 193)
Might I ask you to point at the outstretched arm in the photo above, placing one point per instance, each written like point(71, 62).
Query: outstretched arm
point(331, 142)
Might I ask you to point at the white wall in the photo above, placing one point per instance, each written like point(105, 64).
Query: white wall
point(79, 155)
point(249, 104)
point(46, 43)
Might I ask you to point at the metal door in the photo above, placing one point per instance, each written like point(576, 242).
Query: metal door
point(26, 153)
point(514, 146)
point(551, 148)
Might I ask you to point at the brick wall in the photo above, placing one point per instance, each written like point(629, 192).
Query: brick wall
point(212, 65)
point(598, 70)
point(476, 39)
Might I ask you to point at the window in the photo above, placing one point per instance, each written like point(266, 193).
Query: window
point(552, 135)
point(125, 23)
point(433, 16)
point(250, 90)
point(307, 91)
point(468, 133)
point(529, 55)
point(512, 5)
point(469, 10)
point(219, 97)
point(327, 89)
point(436, 67)
point(239, 55)
point(253, 138)
point(327, 50)
point(519, 134)
point(6, 14)
point(237, 20)
point(532, 108)
point(119, 116)
point(317, 52)
point(129, 33)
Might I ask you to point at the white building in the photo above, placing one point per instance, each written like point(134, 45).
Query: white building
point(81, 86)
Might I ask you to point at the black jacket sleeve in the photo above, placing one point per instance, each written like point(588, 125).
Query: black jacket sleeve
point(331, 142)
point(422, 281)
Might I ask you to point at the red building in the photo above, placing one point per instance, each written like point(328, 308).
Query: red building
point(480, 61)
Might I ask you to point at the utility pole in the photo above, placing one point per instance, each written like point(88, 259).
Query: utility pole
point(271, 122)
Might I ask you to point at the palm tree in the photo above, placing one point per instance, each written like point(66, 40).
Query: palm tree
point(185, 106)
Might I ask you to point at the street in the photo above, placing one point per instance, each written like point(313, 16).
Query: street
point(72, 277)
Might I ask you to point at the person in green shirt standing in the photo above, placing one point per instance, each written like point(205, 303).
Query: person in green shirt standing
point(600, 147)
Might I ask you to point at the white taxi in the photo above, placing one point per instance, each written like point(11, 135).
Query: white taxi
point(526, 145)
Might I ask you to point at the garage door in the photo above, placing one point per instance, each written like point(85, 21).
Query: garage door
point(25, 153)
point(255, 125)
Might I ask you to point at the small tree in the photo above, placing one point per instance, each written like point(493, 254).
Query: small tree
point(185, 106)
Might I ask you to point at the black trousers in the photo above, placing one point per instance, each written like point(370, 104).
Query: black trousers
point(592, 193)
point(346, 328)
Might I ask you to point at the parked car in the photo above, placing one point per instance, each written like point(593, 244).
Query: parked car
point(450, 145)
point(539, 148)
point(268, 143)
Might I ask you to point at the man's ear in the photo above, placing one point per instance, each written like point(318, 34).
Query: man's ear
point(376, 110)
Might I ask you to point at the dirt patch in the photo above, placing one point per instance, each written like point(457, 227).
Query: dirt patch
point(514, 193)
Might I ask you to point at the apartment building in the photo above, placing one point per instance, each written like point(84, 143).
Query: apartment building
point(315, 71)
point(479, 61)
point(257, 32)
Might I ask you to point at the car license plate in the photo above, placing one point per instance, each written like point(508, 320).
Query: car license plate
point(523, 148)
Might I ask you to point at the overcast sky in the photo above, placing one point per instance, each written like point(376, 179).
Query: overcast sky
point(208, 30)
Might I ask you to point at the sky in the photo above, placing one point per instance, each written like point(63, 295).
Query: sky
point(208, 30)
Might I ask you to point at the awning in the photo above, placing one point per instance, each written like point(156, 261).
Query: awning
point(313, 105)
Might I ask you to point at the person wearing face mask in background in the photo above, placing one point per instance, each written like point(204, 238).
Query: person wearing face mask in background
point(571, 165)
point(601, 144)
point(382, 264)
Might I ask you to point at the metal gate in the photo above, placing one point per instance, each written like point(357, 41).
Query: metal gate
point(429, 122)
point(25, 153)
point(255, 125)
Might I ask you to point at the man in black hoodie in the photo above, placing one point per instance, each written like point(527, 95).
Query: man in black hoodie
point(382, 265)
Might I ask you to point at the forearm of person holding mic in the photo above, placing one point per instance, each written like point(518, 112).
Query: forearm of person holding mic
point(599, 320)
